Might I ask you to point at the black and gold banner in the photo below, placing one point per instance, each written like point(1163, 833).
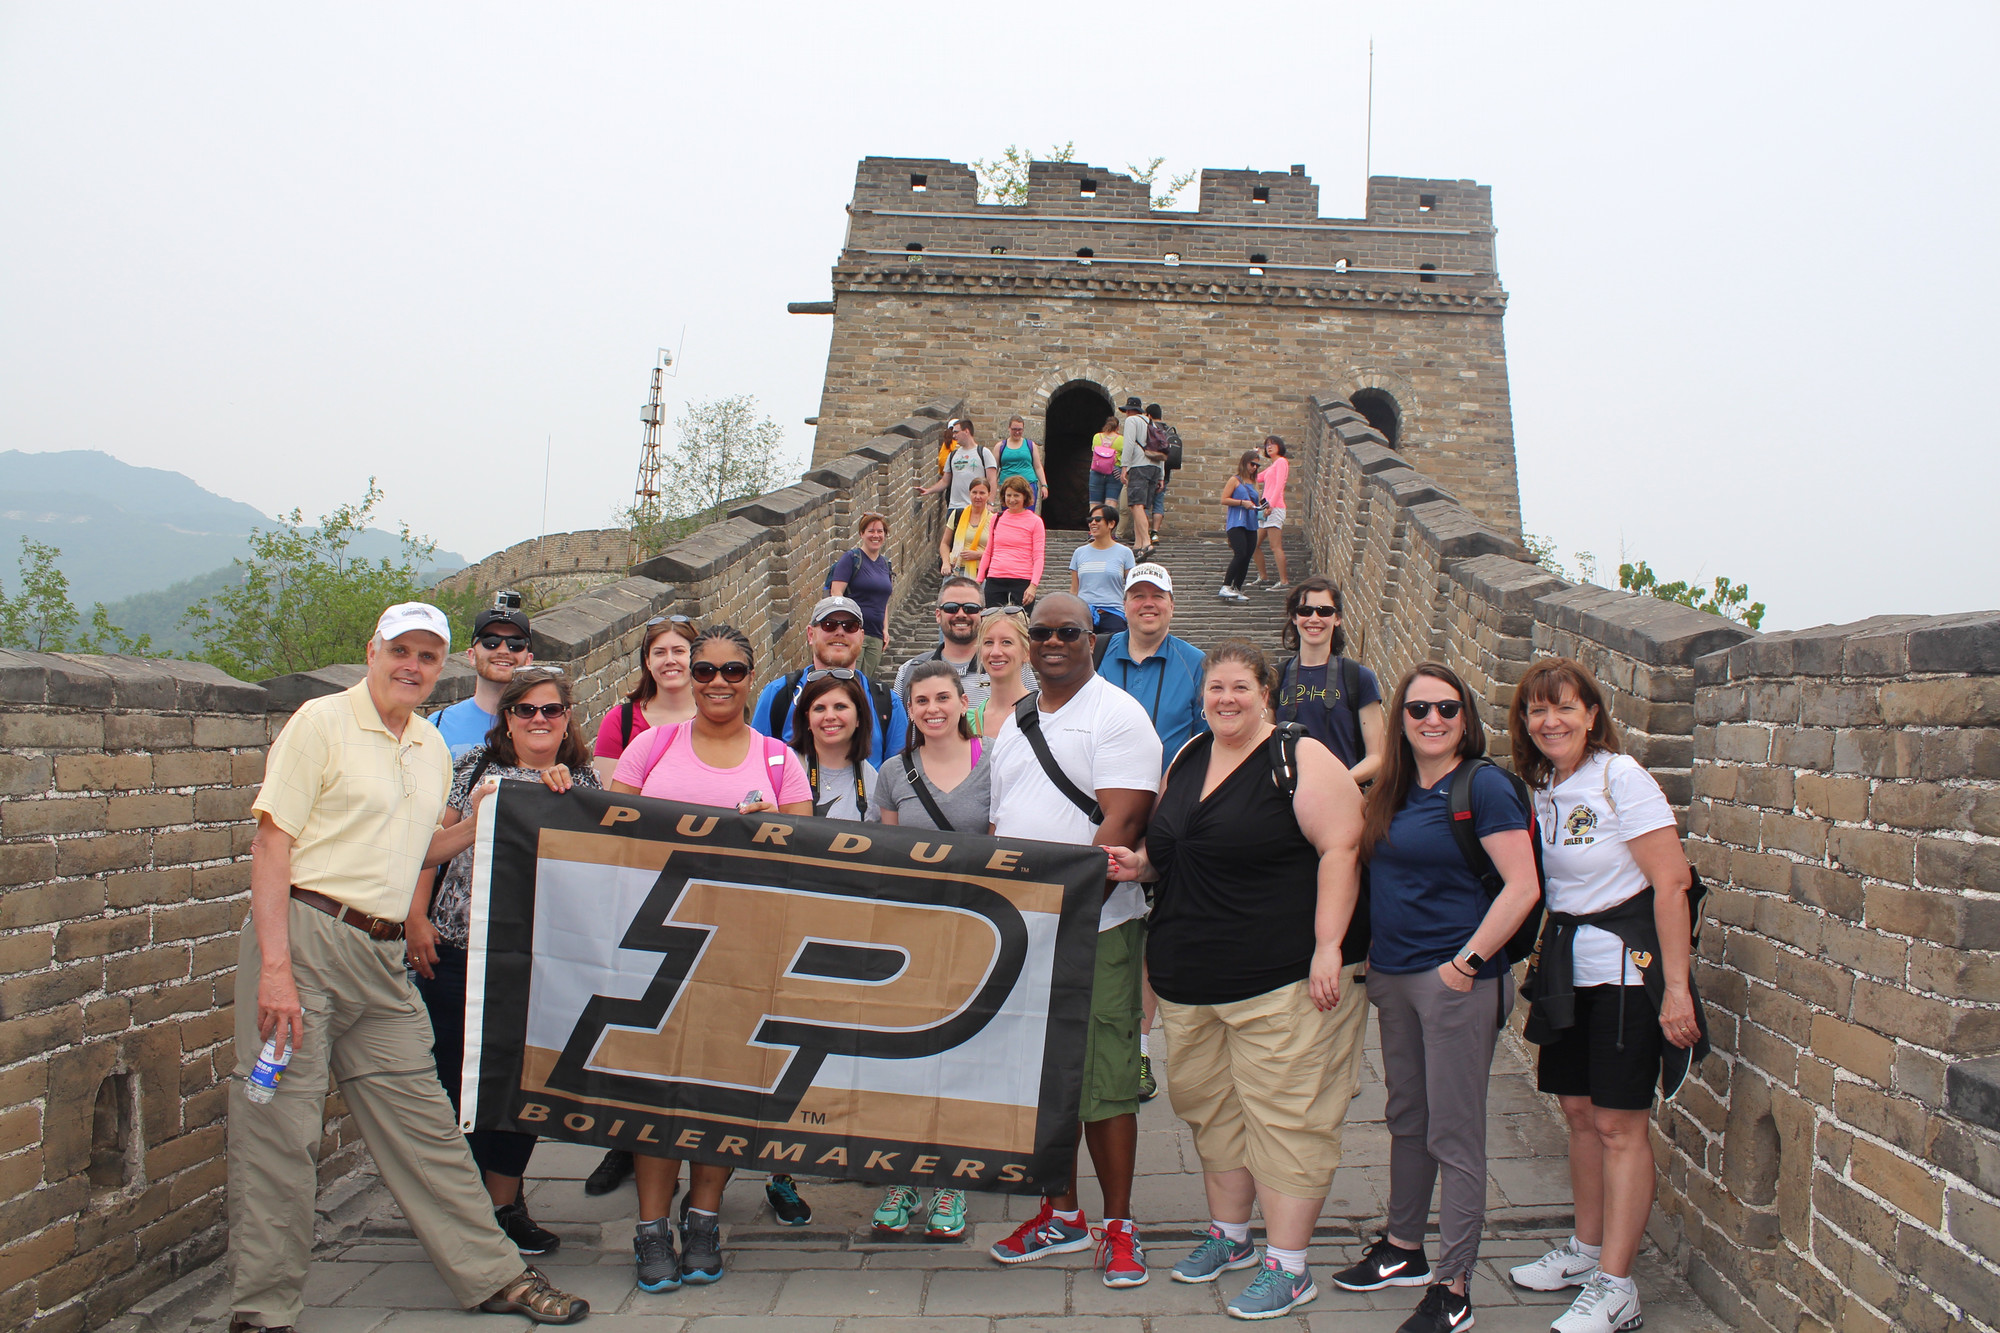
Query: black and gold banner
point(783, 993)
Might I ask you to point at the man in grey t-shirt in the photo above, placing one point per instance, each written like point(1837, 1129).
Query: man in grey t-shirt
point(1142, 477)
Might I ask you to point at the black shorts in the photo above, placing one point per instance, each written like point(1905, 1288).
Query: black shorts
point(1585, 1060)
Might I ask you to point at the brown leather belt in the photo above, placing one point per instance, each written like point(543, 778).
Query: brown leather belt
point(374, 926)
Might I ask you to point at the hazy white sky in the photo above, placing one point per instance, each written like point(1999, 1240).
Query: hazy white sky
point(283, 248)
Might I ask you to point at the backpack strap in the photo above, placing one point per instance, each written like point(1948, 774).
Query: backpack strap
point(1283, 746)
point(923, 791)
point(1027, 716)
point(1350, 687)
point(781, 706)
point(1287, 670)
point(885, 708)
point(625, 724)
point(1458, 808)
point(660, 748)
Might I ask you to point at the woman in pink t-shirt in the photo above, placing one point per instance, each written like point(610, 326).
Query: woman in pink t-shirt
point(1011, 569)
point(714, 758)
point(1272, 477)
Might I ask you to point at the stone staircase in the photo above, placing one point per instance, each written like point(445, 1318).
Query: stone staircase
point(1196, 561)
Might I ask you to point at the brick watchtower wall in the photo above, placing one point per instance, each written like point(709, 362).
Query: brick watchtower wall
point(1228, 315)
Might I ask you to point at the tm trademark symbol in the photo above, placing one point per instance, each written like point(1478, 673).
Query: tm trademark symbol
point(813, 1117)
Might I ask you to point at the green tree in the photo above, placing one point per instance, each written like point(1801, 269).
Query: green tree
point(305, 601)
point(1004, 179)
point(1543, 549)
point(1164, 194)
point(727, 451)
point(40, 618)
point(1730, 601)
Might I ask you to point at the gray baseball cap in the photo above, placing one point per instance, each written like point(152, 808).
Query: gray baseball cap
point(826, 606)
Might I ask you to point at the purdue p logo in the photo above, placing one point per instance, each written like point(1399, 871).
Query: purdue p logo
point(759, 983)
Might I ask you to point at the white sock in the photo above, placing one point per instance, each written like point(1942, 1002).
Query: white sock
point(1239, 1232)
point(1110, 1222)
point(1587, 1251)
point(1145, 1043)
point(1292, 1261)
point(651, 1222)
point(1071, 1216)
point(699, 1212)
point(1624, 1284)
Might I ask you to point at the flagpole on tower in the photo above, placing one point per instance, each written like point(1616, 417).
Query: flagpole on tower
point(1368, 152)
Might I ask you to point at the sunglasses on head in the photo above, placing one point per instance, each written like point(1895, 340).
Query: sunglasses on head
point(515, 643)
point(669, 620)
point(527, 712)
point(1421, 708)
point(840, 624)
point(1067, 633)
point(960, 608)
point(733, 672)
point(1323, 612)
point(838, 673)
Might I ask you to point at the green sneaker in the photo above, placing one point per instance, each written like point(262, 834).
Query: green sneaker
point(898, 1207)
point(1149, 1087)
point(947, 1216)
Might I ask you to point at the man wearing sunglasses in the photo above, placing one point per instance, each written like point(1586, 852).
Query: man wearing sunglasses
point(499, 647)
point(960, 605)
point(834, 635)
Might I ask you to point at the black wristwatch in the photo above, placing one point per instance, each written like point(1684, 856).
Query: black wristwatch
point(1474, 959)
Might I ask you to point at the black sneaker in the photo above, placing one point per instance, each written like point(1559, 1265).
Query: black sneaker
point(528, 1238)
point(701, 1248)
point(1385, 1265)
point(613, 1171)
point(1441, 1311)
point(783, 1193)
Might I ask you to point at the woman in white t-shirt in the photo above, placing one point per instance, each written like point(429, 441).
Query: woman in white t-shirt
point(1611, 853)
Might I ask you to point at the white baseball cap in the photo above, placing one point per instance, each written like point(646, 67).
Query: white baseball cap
point(1150, 573)
point(403, 617)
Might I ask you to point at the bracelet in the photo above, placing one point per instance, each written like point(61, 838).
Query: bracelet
point(1459, 964)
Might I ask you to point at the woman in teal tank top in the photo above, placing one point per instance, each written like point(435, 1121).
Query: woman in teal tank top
point(1022, 457)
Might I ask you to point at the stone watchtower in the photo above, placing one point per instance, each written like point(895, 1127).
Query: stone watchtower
point(1228, 316)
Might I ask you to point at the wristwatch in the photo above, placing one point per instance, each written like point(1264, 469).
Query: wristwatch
point(1473, 959)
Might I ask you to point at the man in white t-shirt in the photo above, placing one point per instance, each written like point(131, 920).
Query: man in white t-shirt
point(1101, 740)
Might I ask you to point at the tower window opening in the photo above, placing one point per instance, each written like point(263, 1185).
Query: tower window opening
point(1340, 266)
point(1426, 202)
point(1087, 188)
point(919, 182)
point(1429, 273)
point(1086, 254)
point(1260, 258)
point(112, 1126)
point(996, 249)
point(1260, 194)
point(1171, 258)
point(914, 247)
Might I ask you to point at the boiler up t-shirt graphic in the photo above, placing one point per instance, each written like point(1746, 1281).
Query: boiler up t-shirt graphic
point(779, 992)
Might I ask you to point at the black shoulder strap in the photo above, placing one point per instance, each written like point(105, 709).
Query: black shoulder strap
point(479, 769)
point(1288, 710)
point(885, 708)
point(1350, 685)
point(625, 723)
point(1458, 808)
point(1284, 748)
point(781, 707)
point(923, 791)
point(1028, 717)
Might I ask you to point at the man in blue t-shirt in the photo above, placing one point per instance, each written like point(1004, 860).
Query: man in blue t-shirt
point(499, 647)
point(1162, 672)
point(834, 635)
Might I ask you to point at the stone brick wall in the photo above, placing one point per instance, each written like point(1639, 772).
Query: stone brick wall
point(1836, 1162)
point(999, 301)
point(557, 566)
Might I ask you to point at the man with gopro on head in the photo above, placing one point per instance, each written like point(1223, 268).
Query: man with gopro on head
point(499, 647)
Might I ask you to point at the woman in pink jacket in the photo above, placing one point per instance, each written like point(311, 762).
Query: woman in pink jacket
point(1011, 569)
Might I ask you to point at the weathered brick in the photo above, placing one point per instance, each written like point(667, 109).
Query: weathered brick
point(45, 818)
point(103, 772)
point(102, 935)
point(191, 921)
point(1837, 798)
point(246, 768)
point(1965, 1152)
point(1739, 826)
point(1804, 747)
point(147, 731)
point(1838, 704)
point(1975, 1224)
point(1789, 922)
point(20, 1172)
point(216, 955)
point(1945, 863)
point(1921, 805)
point(26, 951)
point(1964, 701)
point(1853, 1212)
point(1926, 1021)
point(146, 967)
point(191, 768)
point(223, 733)
point(1941, 918)
point(1955, 972)
point(1876, 854)
point(205, 1030)
point(65, 1280)
point(1806, 837)
point(1854, 1049)
point(185, 998)
point(223, 881)
point(1766, 872)
point(1743, 743)
point(1771, 788)
point(20, 1127)
point(26, 1259)
point(95, 855)
point(37, 1034)
point(1815, 981)
point(24, 729)
point(1964, 752)
point(216, 804)
point(149, 810)
point(1919, 1075)
point(141, 888)
point(182, 846)
point(113, 1013)
point(1957, 1277)
point(26, 774)
point(1781, 1013)
point(1829, 890)
point(24, 863)
point(1878, 754)
point(1866, 951)
point(35, 991)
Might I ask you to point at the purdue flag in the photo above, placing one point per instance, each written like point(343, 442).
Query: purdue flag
point(771, 991)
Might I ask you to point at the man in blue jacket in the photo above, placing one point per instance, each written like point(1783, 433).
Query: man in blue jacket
point(834, 635)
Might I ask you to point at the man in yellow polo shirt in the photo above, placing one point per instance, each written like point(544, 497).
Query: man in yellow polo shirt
point(348, 814)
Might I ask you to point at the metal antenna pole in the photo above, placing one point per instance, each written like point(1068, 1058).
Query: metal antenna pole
point(1368, 152)
point(646, 492)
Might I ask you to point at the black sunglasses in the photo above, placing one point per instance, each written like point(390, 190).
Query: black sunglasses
point(1067, 633)
point(838, 673)
point(960, 608)
point(1421, 708)
point(733, 672)
point(527, 712)
point(514, 642)
point(1323, 612)
point(840, 624)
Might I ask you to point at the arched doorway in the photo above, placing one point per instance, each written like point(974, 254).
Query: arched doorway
point(1076, 413)
point(1382, 413)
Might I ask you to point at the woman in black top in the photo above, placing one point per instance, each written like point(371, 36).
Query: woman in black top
point(1255, 846)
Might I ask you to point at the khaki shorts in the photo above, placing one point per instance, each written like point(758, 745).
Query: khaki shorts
point(1264, 1083)
point(1111, 1043)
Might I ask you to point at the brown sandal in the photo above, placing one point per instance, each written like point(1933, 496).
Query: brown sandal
point(533, 1295)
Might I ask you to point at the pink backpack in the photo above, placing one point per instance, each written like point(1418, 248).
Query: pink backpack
point(1104, 459)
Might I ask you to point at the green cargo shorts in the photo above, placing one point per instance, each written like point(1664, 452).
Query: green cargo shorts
point(1111, 1043)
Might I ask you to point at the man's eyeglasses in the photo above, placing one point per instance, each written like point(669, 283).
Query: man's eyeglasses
point(528, 712)
point(1421, 708)
point(840, 624)
point(733, 672)
point(1323, 612)
point(515, 643)
point(838, 673)
point(960, 608)
point(1067, 633)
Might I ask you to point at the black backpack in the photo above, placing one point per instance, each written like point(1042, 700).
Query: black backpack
point(1458, 806)
point(788, 693)
point(826, 589)
point(1348, 683)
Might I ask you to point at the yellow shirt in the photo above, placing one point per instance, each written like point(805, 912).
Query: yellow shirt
point(968, 546)
point(359, 804)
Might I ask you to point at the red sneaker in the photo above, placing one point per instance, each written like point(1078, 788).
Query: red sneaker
point(1119, 1255)
point(1044, 1233)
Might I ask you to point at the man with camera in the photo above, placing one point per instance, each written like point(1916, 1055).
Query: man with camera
point(499, 647)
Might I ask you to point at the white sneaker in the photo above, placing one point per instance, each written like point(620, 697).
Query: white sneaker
point(1236, 595)
point(1564, 1266)
point(1224, 594)
point(1600, 1308)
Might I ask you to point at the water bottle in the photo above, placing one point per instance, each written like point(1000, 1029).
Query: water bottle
point(270, 1067)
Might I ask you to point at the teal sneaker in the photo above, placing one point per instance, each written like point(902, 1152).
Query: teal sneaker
point(1216, 1255)
point(947, 1216)
point(898, 1208)
point(1273, 1292)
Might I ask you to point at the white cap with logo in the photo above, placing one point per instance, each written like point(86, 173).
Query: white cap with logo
point(403, 617)
point(1150, 573)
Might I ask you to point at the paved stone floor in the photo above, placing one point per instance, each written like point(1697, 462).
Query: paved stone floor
point(833, 1277)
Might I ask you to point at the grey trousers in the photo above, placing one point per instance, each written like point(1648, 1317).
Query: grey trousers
point(366, 1028)
point(1437, 1052)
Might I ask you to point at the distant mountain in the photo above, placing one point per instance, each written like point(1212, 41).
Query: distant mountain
point(127, 530)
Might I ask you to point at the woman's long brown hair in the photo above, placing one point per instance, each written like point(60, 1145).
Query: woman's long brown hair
point(1391, 789)
point(859, 744)
point(1546, 682)
point(572, 753)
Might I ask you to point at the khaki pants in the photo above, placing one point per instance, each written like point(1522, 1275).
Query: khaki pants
point(364, 1027)
point(1264, 1083)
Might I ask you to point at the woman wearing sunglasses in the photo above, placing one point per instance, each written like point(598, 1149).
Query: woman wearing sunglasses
point(1612, 854)
point(535, 738)
point(1440, 987)
point(1011, 569)
point(664, 694)
point(1241, 505)
point(1003, 648)
point(717, 759)
point(827, 732)
point(1097, 571)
